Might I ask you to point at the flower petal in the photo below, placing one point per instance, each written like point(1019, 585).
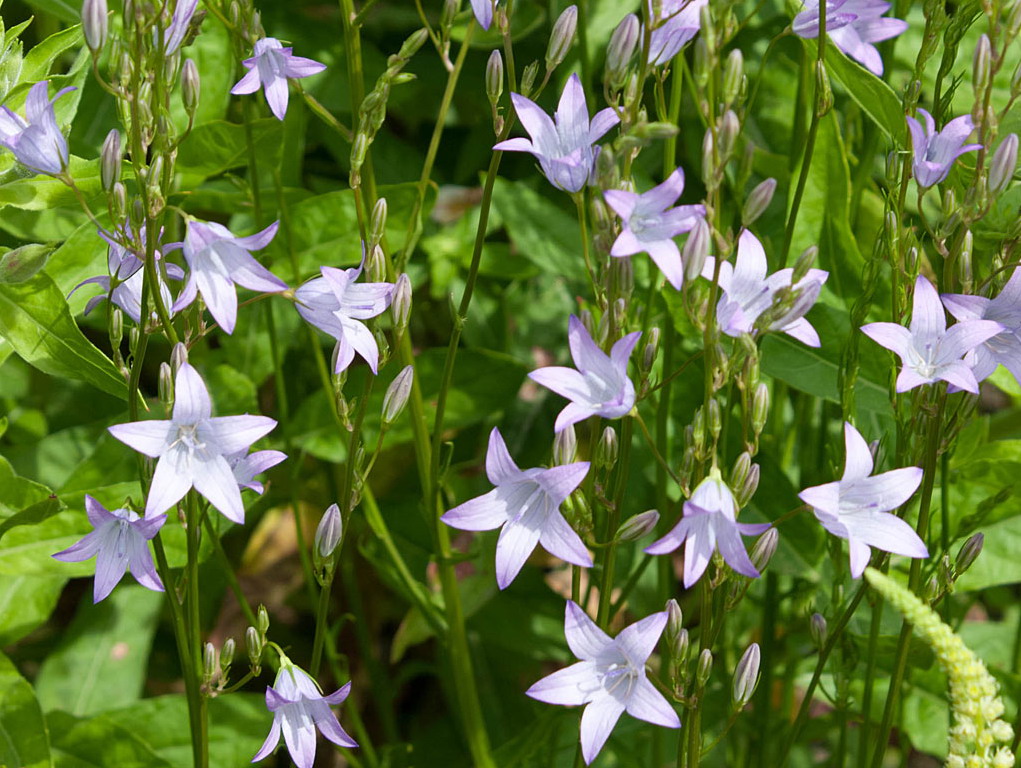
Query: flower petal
point(637, 641)
point(515, 544)
point(483, 513)
point(584, 638)
point(500, 467)
point(570, 686)
point(597, 722)
point(648, 704)
point(148, 437)
point(560, 539)
point(214, 479)
point(858, 457)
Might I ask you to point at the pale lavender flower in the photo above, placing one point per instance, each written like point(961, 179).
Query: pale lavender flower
point(270, 67)
point(298, 708)
point(610, 679)
point(246, 466)
point(218, 260)
point(36, 139)
point(710, 523)
point(853, 26)
point(857, 507)
point(564, 147)
point(928, 351)
point(193, 448)
point(336, 304)
point(681, 22)
point(483, 10)
point(600, 386)
point(935, 151)
point(1004, 348)
point(177, 30)
point(526, 505)
point(119, 542)
point(650, 224)
point(748, 292)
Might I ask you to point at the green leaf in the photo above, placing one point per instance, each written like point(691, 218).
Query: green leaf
point(26, 601)
point(218, 146)
point(35, 319)
point(24, 740)
point(97, 743)
point(101, 661)
point(32, 515)
point(541, 232)
point(16, 493)
point(68, 11)
point(40, 58)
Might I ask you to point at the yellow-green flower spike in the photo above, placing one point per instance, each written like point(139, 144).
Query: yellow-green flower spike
point(978, 737)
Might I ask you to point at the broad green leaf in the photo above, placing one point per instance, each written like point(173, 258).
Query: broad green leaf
point(68, 11)
point(101, 661)
point(218, 146)
point(26, 601)
point(98, 743)
point(34, 318)
point(40, 58)
point(42, 193)
point(24, 740)
point(540, 231)
point(32, 515)
point(16, 493)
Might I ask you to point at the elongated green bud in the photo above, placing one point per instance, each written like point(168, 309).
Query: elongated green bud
point(110, 160)
point(729, 130)
point(621, 50)
point(328, 534)
point(696, 250)
point(746, 676)
point(565, 446)
point(190, 86)
point(817, 629)
point(494, 77)
point(95, 24)
point(758, 201)
point(527, 81)
point(1003, 164)
point(253, 645)
point(263, 620)
point(674, 618)
point(166, 386)
point(397, 394)
point(704, 668)
point(375, 265)
point(227, 655)
point(210, 666)
point(760, 407)
point(377, 227)
point(744, 494)
point(413, 43)
point(969, 553)
point(764, 549)
point(733, 76)
point(401, 306)
point(562, 37)
point(981, 64)
point(823, 90)
point(638, 526)
point(607, 449)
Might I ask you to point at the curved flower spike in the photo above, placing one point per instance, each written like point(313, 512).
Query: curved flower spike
point(270, 67)
point(36, 139)
point(1004, 348)
point(857, 507)
point(526, 505)
point(935, 151)
point(853, 26)
point(119, 541)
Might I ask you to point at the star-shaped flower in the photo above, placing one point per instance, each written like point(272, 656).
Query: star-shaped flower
point(120, 541)
point(935, 151)
point(193, 448)
point(709, 523)
point(650, 224)
point(600, 386)
point(218, 260)
point(36, 139)
point(270, 67)
point(336, 304)
point(610, 679)
point(928, 351)
point(298, 708)
point(857, 507)
point(1005, 347)
point(748, 292)
point(526, 505)
point(564, 148)
point(853, 26)
point(681, 22)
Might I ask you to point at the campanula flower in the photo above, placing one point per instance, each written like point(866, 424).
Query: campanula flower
point(709, 523)
point(246, 466)
point(650, 224)
point(526, 505)
point(748, 293)
point(193, 448)
point(681, 21)
point(177, 30)
point(609, 680)
point(298, 708)
point(119, 541)
point(218, 260)
point(270, 67)
point(1005, 347)
point(336, 304)
point(853, 26)
point(36, 140)
point(600, 386)
point(935, 151)
point(483, 10)
point(857, 507)
point(928, 351)
point(564, 147)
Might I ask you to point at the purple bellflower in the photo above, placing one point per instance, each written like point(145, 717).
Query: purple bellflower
point(564, 147)
point(857, 507)
point(218, 260)
point(853, 26)
point(193, 448)
point(247, 465)
point(336, 304)
point(681, 22)
point(270, 67)
point(928, 351)
point(526, 505)
point(709, 523)
point(36, 140)
point(1004, 348)
point(748, 292)
point(610, 679)
point(600, 386)
point(298, 708)
point(483, 10)
point(119, 542)
point(935, 151)
point(177, 30)
point(650, 224)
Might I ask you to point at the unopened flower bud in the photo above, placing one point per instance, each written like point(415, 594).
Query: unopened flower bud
point(190, 86)
point(562, 36)
point(715, 420)
point(528, 78)
point(758, 201)
point(1003, 164)
point(704, 668)
point(253, 645)
point(760, 407)
point(742, 465)
point(823, 90)
point(650, 350)
point(674, 618)
point(450, 8)
point(744, 494)
point(119, 202)
point(686, 471)
point(638, 526)
point(696, 250)
point(817, 629)
point(166, 386)
point(178, 356)
point(932, 590)
point(412, 44)
point(681, 646)
point(968, 553)
point(227, 655)
point(620, 50)
point(708, 158)
point(746, 676)
point(210, 666)
point(375, 265)
point(494, 77)
point(565, 446)
point(377, 227)
point(95, 24)
point(401, 306)
point(263, 620)
point(981, 64)
point(328, 533)
point(733, 76)
point(607, 449)
point(804, 263)
point(764, 548)
point(397, 394)
point(729, 130)
point(110, 160)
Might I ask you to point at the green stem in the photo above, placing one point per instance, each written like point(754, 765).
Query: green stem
point(764, 694)
point(613, 521)
point(197, 701)
point(866, 698)
point(586, 247)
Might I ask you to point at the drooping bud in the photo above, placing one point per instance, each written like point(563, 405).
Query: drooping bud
point(565, 446)
point(746, 676)
point(969, 552)
point(95, 24)
point(607, 449)
point(227, 655)
point(562, 36)
point(401, 306)
point(764, 549)
point(110, 160)
point(397, 395)
point(1003, 164)
point(704, 668)
point(758, 201)
point(494, 77)
point(696, 250)
point(817, 629)
point(620, 50)
point(638, 526)
point(981, 64)
point(191, 86)
point(328, 534)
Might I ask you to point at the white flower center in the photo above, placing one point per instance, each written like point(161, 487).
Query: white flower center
point(620, 674)
point(187, 435)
